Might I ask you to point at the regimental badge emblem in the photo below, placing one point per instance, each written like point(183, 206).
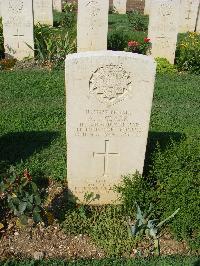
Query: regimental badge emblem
point(16, 6)
point(110, 84)
point(166, 9)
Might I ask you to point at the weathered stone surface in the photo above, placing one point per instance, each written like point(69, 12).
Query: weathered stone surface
point(120, 6)
point(92, 25)
point(0, 8)
point(163, 28)
point(43, 12)
point(109, 98)
point(18, 28)
point(188, 15)
point(147, 7)
point(57, 5)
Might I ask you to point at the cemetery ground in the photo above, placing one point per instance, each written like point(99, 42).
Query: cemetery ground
point(32, 123)
point(33, 137)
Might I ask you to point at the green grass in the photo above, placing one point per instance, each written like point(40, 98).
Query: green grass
point(118, 20)
point(176, 104)
point(168, 261)
point(32, 122)
point(32, 117)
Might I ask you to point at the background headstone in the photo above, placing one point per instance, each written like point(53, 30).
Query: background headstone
point(43, 12)
point(120, 6)
point(57, 5)
point(163, 28)
point(92, 25)
point(0, 8)
point(109, 98)
point(188, 15)
point(147, 7)
point(18, 28)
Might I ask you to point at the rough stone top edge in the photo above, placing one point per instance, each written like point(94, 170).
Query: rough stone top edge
point(110, 53)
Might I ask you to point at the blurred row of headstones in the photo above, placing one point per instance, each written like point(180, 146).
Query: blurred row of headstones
point(166, 19)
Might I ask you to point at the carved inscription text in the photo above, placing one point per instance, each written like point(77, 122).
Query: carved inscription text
point(108, 123)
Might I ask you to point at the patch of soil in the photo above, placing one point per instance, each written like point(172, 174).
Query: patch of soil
point(32, 64)
point(49, 242)
point(168, 246)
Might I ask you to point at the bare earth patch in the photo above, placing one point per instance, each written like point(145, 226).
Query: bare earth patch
point(50, 242)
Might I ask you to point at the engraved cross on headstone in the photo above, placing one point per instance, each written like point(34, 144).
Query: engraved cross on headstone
point(188, 17)
point(18, 35)
point(105, 155)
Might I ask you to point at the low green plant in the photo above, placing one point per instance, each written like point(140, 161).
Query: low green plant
point(139, 47)
point(105, 225)
point(117, 40)
point(53, 44)
point(173, 182)
point(176, 172)
point(109, 231)
point(138, 21)
point(21, 196)
point(164, 66)
point(145, 225)
point(69, 16)
point(135, 188)
point(78, 215)
point(1, 40)
point(188, 53)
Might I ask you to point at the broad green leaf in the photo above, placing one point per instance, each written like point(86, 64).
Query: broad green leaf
point(37, 200)
point(37, 217)
point(22, 207)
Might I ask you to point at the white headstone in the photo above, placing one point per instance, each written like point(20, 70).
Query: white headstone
point(109, 98)
point(18, 28)
point(92, 25)
point(188, 15)
point(57, 5)
point(0, 9)
point(43, 12)
point(163, 28)
point(147, 7)
point(120, 6)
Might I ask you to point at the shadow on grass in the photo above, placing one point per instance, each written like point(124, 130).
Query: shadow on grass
point(163, 139)
point(196, 263)
point(17, 146)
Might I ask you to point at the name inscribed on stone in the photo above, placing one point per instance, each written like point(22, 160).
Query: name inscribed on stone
point(108, 123)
